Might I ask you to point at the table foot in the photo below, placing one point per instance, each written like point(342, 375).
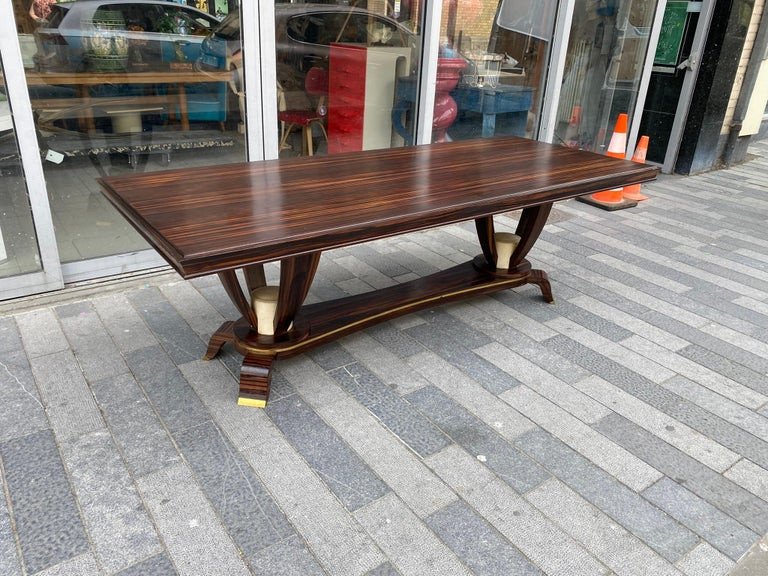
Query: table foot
point(540, 278)
point(224, 334)
point(255, 376)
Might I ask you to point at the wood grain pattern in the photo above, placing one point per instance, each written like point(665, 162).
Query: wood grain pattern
point(215, 218)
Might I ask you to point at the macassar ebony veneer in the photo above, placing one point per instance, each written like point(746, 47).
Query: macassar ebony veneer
point(219, 219)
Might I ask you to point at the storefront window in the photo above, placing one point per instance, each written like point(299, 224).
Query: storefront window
point(604, 63)
point(118, 86)
point(346, 75)
point(491, 68)
point(19, 253)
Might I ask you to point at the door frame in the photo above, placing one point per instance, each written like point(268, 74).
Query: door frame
point(50, 276)
point(689, 84)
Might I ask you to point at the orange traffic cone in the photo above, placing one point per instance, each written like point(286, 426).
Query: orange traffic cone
point(571, 138)
point(632, 192)
point(613, 199)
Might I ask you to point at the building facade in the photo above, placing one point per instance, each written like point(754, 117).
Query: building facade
point(98, 87)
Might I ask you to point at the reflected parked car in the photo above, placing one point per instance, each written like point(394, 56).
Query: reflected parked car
point(303, 34)
point(115, 35)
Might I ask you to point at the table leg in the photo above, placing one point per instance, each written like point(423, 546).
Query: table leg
point(255, 377)
point(296, 275)
point(530, 225)
point(224, 334)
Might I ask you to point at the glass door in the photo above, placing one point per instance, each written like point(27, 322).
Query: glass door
point(605, 61)
point(120, 86)
point(28, 256)
point(492, 67)
point(347, 75)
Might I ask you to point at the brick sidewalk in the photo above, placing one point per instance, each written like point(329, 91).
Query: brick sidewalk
point(622, 430)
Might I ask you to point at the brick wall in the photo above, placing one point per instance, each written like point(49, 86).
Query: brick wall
point(757, 14)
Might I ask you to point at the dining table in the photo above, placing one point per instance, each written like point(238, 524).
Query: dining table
point(231, 219)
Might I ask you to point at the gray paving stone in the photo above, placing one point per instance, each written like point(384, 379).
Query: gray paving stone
point(41, 333)
point(10, 339)
point(179, 340)
point(146, 296)
point(486, 374)
point(337, 541)
point(407, 542)
point(43, 507)
point(413, 262)
point(479, 439)
point(117, 523)
point(192, 533)
point(725, 366)
point(465, 391)
point(289, 557)
point(96, 354)
point(699, 479)
point(528, 348)
point(21, 411)
point(546, 545)
point(717, 528)
point(750, 476)
point(688, 413)
point(544, 383)
point(386, 266)
point(331, 356)
point(626, 507)
point(248, 512)
point(83, 565)
point(143, 441)
point(448, 325)
point(592, 322)
point(124, 324)
point(393, 411)
point(353, 482)
point(217, 297)
point(726, 407)
point(634, 324)
point(621, 354)
point(612, 458)
point(660, 424)
point(704, 560)
point(279, 387)
point(709, 342)
point(391, 369)
point(385, 569)
point(197, 312)
point(477, 543)
point(9, 560)
point(167, 390)
point(69, 403)
point(700, 374)
point(392, 460)
point(624, 553)
point(396, 340)
point(159, 565)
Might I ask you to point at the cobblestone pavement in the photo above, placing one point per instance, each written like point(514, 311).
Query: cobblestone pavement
point(622, 430)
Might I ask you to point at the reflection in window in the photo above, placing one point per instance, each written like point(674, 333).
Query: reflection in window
point(118, 86)
point(491, 70)
point(18, 243)
point(604, 63)
point(346, 76)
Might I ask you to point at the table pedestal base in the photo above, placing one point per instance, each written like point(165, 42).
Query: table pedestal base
point(317, 324)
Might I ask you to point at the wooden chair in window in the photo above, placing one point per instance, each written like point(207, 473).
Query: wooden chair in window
point(316, 87)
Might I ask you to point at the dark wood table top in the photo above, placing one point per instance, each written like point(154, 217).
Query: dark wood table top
point(215, 218)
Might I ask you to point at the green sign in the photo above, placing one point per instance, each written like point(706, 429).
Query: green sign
point(671, 37)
